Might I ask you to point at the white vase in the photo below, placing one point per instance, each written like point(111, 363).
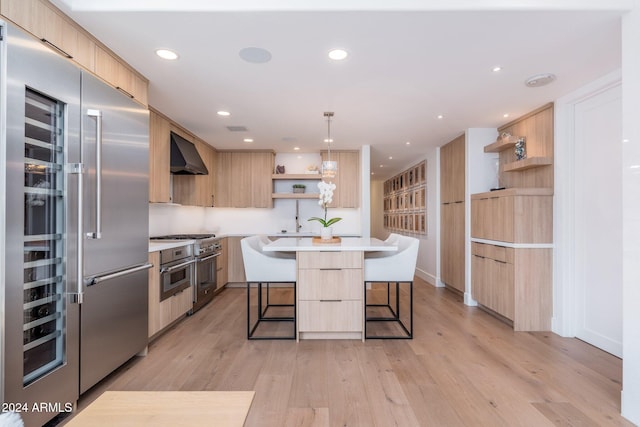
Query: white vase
point(326, 233)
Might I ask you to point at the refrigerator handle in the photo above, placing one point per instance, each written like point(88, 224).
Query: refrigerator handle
point(78, 296)
point(97, 234)
point(98, 279)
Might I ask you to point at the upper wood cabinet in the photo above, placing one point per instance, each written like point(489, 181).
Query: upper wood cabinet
point(196, 190)
point(62, 34)
point(347, 192)
point(244, 179)
point(452, 171)
point(159, 158)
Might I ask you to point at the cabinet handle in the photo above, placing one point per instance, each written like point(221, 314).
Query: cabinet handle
point(501, 262)
point(62, 52)
point(330, 269)
point(125, 92)
point(330, 300)
point(478, 256)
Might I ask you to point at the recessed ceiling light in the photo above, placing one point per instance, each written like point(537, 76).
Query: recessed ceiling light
point(625, 140)
point(248, 140)
point(496, 69)
point(505, 115)
point(224, 113)
point(328, 140)
point(338, 54)
point(381, 166)
point(255, 55)
point(167, 54)
point(634, 167)
point(296, 148)
point(408, 143)
point(390, 158)
point(439, 116)
point(373, 173)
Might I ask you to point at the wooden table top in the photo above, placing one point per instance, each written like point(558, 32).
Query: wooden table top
point(166, 408)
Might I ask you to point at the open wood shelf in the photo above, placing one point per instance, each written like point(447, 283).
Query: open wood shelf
point(528, 163)
point(502, 144)
point(295, 195)
point(297, 176)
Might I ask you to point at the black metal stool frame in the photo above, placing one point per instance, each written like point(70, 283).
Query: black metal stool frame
point(395, 315)
point(262, 317)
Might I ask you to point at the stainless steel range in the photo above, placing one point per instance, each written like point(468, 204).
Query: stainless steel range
point(206, 250)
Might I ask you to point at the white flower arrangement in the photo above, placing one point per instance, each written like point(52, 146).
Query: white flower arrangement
point(325, 198)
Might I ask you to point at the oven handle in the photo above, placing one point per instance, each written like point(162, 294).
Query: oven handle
point(207, 258)
point(176, 267)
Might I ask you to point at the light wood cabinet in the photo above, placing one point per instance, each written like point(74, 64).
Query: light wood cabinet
point(452, 245)
point(244, 179)
point(62, 34)
point(515, 283)
point(164, 313)
point(197, 190)
point(330, 295)
point(347, 180)
point(159, 158)
point(452, 171)
point(222, 269)
point(452, 214)
point(235, 264)
point(515, 215)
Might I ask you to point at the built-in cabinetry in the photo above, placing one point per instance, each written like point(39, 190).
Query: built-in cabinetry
point(452, 214)
point(222, 268)
point(405, 201)
point(511, 229)
point(244, 179)
point(330, 294)
point(62, 34)
point(159, 158)
point(196, 190)
point(164, 313)
point(347, 180)
point(235, 262)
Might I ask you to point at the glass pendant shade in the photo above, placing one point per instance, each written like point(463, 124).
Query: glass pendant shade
point(329, 169)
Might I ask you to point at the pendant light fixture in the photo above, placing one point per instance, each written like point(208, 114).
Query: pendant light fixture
point(329, 167)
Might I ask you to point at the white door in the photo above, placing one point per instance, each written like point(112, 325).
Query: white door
point(598, 215)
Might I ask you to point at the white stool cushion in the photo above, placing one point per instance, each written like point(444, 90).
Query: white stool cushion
point(265, 267)
point(397, 266)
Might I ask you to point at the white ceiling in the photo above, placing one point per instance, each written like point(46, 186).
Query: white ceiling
point(404, 68)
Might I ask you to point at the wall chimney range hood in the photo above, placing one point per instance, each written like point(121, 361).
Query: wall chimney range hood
point(185, 159)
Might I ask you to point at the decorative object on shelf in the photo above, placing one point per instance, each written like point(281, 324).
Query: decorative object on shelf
point(312, 169)
point(329, 167)
point(521, 149)
point(299, 188)
point(280, 169)
point(326, 197)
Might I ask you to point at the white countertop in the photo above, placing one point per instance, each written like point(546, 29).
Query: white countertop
point(160, 245)
point(347, 244)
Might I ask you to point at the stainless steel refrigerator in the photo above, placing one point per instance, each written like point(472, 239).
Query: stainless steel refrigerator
point(74, 228)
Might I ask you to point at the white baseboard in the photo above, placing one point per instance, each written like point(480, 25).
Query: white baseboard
point(429, 278)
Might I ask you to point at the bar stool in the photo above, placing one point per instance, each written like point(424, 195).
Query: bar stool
point(263, 268)
point(392, 267)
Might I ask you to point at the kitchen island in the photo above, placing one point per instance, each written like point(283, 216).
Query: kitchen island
point(330, 286)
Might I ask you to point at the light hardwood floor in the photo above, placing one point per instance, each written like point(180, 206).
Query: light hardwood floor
point(463, 368)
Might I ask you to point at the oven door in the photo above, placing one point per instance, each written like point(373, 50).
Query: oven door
point(175, 277)
point(206, 282)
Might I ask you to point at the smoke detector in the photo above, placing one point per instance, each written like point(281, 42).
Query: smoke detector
point(540, 80)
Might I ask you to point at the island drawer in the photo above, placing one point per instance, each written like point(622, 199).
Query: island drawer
point(334, 283)
point(330, 259)
point(330, 316)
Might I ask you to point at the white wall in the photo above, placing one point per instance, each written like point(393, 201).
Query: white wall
point(428, 264)
point(631, 213)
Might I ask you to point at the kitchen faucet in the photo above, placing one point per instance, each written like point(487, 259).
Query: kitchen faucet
point(298, 225)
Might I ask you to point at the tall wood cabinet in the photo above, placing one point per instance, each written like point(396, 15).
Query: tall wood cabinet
point(63, 35)
point(244, 179)
point(347, 180)
point(159, 158)
point(452, 214)
point(512, 229)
